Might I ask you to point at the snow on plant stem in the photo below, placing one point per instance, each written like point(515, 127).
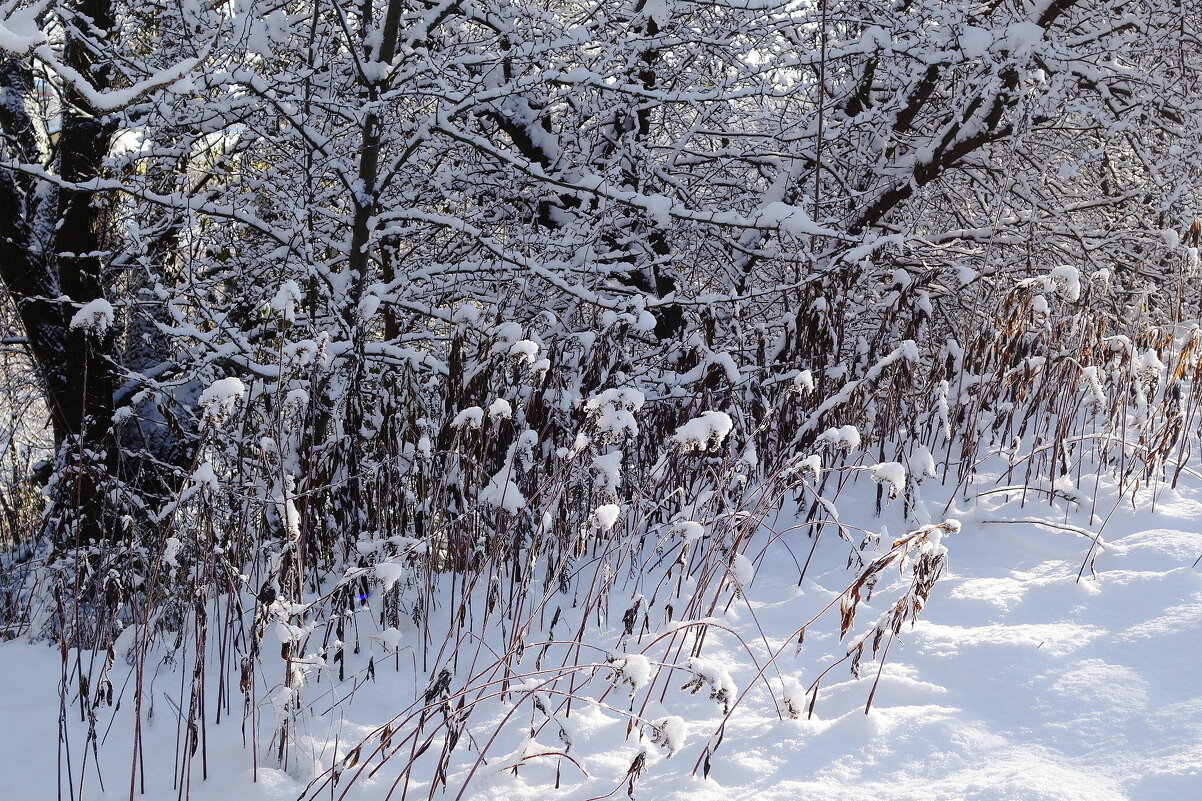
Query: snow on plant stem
point(500, 409)
point(743, 569)
point(218, 401)
point(96, 316)
point(843, 438)
point(892, 474)
point(669, 734)
point(471, 417)
point(632, 671)
point(614, 410)
point(709, 673)
point(502, 493)
point(700, 432)
point(606, 516)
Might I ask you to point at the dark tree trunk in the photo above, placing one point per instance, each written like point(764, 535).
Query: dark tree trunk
point(77, 365)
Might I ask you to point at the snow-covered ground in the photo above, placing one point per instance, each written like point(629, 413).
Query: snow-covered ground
point(1018, 682)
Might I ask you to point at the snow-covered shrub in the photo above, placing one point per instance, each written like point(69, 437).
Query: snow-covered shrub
point(534, 356)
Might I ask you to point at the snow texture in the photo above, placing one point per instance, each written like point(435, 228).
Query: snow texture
point(608, 471)
point(502, 493)
point(471, 417)
point(500, 409)
point(892, 475)
point(631, 672)
point(96, 316)
point(607, 515)
point(525, 350)
point(843, 438)
point(700, 433)
point(220, 399)
point(1018, 682)
point(613, 412)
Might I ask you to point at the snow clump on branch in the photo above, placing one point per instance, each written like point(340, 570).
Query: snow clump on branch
point(500, 409)
point(893, 475)
point(502, 493)
point(96, 316)
point(669, 734)
point(605, 516)
point(631, 670)
point(614, 411)
point(524, 350)
point(700, 432)
point(471, 417)
point(843, 438)
point(218, 401)
point(707, 673)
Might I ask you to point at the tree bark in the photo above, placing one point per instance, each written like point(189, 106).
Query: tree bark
point(49, 280)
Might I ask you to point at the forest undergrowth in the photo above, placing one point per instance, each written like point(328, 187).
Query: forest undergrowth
point(551, 525)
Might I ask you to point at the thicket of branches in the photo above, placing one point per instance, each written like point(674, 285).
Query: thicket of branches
point(489, 295)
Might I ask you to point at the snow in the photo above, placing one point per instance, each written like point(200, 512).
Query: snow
point(96, 316)
point(803, 382)
point(659, 208)
point(471, 417)
point(606, 515)
point(608, 467)
point(19, 32)
point(171, 550)
point(792, 220)
point(631, 672)
point(891, 474)
point(700, 433)
point(1018, 680)
point(289, 297)
point(613, 412)
point(391, 638)
point(116, 99)
point(658, 10)
point(905, 350)
point(843, 438)
point(658, 606)
point(296, 401)
point(525, 350)
point(791, 697)
point(466, 314)
point(690, 530)
point(1021, 38)
point(502, 493)
point(670, 734)
point(1064, 280)
point(1067, 279)
point(811, 466)
point(743, 569)
point(713, 677)
point(220, 398)
point(389, 573)
point(630, 399)
point(284, 499)
point(500, 409)
point(1148, 363)
point(205, 475)
point(975, 42)
point(922, 463)
point(579, 443)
